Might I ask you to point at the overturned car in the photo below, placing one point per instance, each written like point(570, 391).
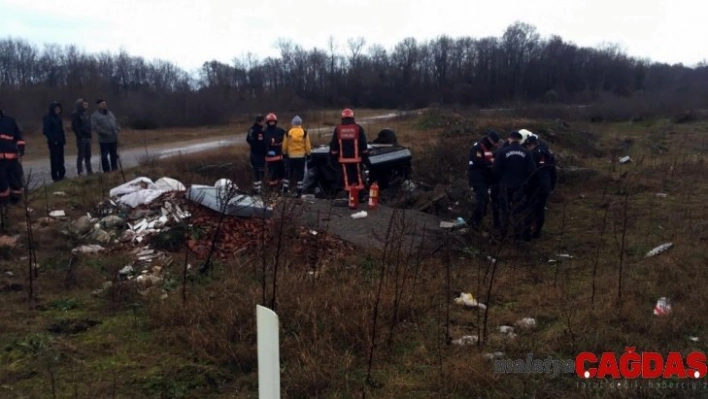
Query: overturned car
point(389, 164)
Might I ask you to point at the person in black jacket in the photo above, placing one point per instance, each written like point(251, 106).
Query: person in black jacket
point(481, 178)
point(256, 141)
point(53, 129)
point(81, 125)
point(544, 183)
point(274, 159)
point(12, 149)
point(513, 167)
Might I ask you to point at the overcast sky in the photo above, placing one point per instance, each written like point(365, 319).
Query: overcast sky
point(189, 32)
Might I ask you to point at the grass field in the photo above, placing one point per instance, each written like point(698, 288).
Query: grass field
point(606, 216)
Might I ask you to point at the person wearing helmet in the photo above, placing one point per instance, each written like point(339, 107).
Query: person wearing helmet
point(256, 140)
point(513, 167)
point(349, 148)
point(525, 134)
point(481, 178)
point(543, 184)
point(275, 161)
point(297, 147)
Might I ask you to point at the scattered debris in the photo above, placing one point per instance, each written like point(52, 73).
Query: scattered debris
point(626, 159)
point(57, 214)
point(526, 323)
point(9, 273)
point(658, 250)
point(694, 339)
point(360, 215)
point(87, 249)
point(565, 256)
point(59, 194)
point(142, 191)
point(466, 340)
point(506, 329)
point(662, 307)
point(467, 300)
point(126, 270)
point(662, 195)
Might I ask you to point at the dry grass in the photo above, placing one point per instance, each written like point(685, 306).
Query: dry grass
point(206, 348)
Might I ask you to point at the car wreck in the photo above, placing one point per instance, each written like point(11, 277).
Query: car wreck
point(389, 164)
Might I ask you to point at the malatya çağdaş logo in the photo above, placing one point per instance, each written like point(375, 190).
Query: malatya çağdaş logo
point(646, 365)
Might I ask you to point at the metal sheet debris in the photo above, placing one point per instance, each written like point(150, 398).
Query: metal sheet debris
point(232, 204)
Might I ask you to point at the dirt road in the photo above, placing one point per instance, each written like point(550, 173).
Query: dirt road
point(133, 156)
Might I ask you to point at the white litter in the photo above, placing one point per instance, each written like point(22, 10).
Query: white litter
point(565, 256)
point(126, 270)
point(526, 323)
point(694, 339)
point(662, 307)
point(658, 250)
point(137, 184)
point(662, 195)
point(466, 340)
point(169, 184)
point(87, 249)
point(626, 159)
point(59, 194)
point(57, 214)
point(360, 215)
point(506, 329)
point(467, 300)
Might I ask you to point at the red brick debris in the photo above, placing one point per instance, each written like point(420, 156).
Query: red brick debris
point(245, 236)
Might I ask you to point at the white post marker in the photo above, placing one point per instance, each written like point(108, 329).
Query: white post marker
point(268, 353)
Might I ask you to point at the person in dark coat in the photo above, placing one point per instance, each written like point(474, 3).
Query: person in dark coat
point(81, 125)
point(12, 149)
point(275, 162)
point(53, 129)
point(544, 183)
point(513, 167)
point(481, 178)
point(256, 140)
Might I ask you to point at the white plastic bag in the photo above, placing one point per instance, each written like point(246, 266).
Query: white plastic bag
point(132, 186)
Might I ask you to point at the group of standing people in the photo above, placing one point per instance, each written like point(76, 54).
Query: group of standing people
point(102, 122)
point(278, 156)
point(516, 176)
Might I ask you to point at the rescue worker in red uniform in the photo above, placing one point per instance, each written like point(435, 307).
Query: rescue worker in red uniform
point(12, 148)
point(275, 162)
point(349, 148)
point(481, 179)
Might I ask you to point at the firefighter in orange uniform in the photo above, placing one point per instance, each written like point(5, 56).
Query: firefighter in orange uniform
point(349, 148)
point(12, 148)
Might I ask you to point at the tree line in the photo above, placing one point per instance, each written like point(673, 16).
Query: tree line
point(519, 67)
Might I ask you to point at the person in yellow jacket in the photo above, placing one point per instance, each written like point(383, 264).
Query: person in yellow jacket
point(297, 149)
